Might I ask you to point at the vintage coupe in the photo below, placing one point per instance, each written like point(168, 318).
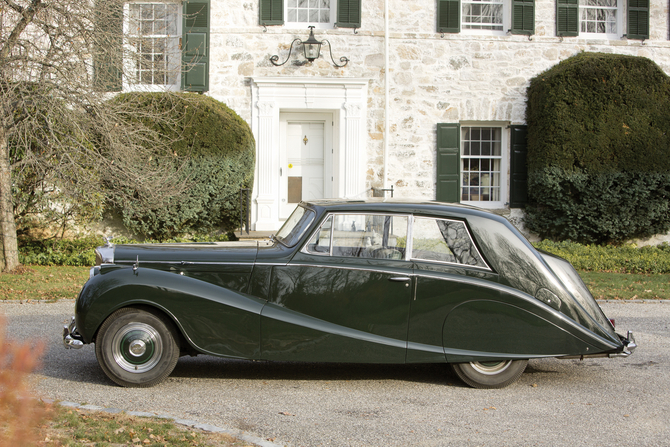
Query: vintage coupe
point(372, 281)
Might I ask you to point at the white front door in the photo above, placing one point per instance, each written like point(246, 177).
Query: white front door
point(305, 159)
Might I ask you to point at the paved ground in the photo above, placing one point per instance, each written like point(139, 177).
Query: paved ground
point(598, 402)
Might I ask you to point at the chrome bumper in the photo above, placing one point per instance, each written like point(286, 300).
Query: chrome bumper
point(629, 346)
point(71, 338)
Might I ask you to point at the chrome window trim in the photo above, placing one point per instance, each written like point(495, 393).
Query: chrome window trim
point(472, 241)
point(351, 213)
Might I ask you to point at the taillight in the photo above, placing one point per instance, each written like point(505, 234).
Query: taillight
point(613, 323)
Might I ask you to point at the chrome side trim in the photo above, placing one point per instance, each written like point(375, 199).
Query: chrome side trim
point(191, 263)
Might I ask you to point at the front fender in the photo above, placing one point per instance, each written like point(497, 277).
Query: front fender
point(213, 319)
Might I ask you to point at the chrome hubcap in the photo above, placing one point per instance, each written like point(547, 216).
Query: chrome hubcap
point(490, 368)
point(137, 347)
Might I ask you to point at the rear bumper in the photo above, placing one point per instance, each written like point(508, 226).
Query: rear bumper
point(627, 348)
point(71, 338)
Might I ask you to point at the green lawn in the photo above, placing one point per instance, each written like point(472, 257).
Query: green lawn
point(627, 286)
point(54, 283)
point(43, 283)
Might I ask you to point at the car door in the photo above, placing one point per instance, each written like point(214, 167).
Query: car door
point(449, 271)
point(345, 296)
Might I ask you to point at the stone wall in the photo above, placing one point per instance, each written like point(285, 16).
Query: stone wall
point(433, 78)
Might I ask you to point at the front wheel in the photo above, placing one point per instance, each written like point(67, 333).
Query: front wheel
point(497, 374)
point(136, 348)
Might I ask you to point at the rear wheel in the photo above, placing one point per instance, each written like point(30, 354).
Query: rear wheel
point(136, 348)
point(496, 374)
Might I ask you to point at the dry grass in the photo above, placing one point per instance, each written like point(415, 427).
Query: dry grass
point(75, 427)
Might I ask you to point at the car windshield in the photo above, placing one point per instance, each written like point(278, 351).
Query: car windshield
point(296, 225)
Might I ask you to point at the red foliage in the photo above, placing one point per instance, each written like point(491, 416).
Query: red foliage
point(20, 413)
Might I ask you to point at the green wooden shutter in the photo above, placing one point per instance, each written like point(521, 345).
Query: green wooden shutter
point(348, 14)
point(518, 195)
point(523, 17)
point(638, 19)
point(108, 55)
point(448, 16)
point(271, 12)
point(195, 46)
point(448, 162)
point(567, 18)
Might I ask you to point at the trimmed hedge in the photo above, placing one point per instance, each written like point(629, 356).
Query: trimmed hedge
point(598, 208)
point(599, 149)
point(81, 252)
point(609, 258)
point(220, 149)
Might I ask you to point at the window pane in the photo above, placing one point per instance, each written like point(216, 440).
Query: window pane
point(370, 236)
point(153, 33)
point(482, 15)
point(598, 16)
point(444, 241)
point(308, 11)
point(480, 155)
point(320, 242)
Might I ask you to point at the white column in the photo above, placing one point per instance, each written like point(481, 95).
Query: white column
point(267, 163)
point(353, 151)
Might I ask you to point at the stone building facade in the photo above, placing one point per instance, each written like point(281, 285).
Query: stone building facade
point(328, 131)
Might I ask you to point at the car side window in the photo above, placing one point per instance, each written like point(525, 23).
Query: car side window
point(319, 244)
point(361, 236)
point(444, 240)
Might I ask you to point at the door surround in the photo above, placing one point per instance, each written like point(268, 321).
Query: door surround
point(345, 98)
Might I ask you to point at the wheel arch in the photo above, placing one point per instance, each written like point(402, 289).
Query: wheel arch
point(170, 320)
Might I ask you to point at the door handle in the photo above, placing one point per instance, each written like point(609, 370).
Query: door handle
point(399, 278)
point(279, 172)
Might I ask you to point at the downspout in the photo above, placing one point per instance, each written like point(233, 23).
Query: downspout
point(386, 95)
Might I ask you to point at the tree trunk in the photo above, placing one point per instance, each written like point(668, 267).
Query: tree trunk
point(7, 225)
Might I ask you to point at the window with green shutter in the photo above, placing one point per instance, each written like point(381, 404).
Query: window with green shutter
point(567, 18)
point(518, 195)
point(448, 162)
point(448, 16)
point(271, 12)
point(638, 19)
point(523, 17)
point(195, 46)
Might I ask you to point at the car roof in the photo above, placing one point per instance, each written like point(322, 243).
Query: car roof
point(392, 205)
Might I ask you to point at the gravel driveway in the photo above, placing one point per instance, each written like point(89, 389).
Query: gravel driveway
point(556, 402)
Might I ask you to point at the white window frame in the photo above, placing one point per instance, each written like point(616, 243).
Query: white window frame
point(316, 25)
point(504, 164)
point(129, 79)
point(506, 22)
point(619, 10)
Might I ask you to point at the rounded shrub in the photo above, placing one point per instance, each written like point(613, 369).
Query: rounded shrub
point(598, 149)
point(219, 148)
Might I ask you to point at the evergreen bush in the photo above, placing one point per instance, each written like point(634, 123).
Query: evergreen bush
point(220, 149)
point(598, 149)
point(81, 251)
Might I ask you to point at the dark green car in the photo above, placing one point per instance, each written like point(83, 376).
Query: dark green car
point(345, 281)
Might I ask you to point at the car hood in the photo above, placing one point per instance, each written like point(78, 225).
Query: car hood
point(187, 253)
